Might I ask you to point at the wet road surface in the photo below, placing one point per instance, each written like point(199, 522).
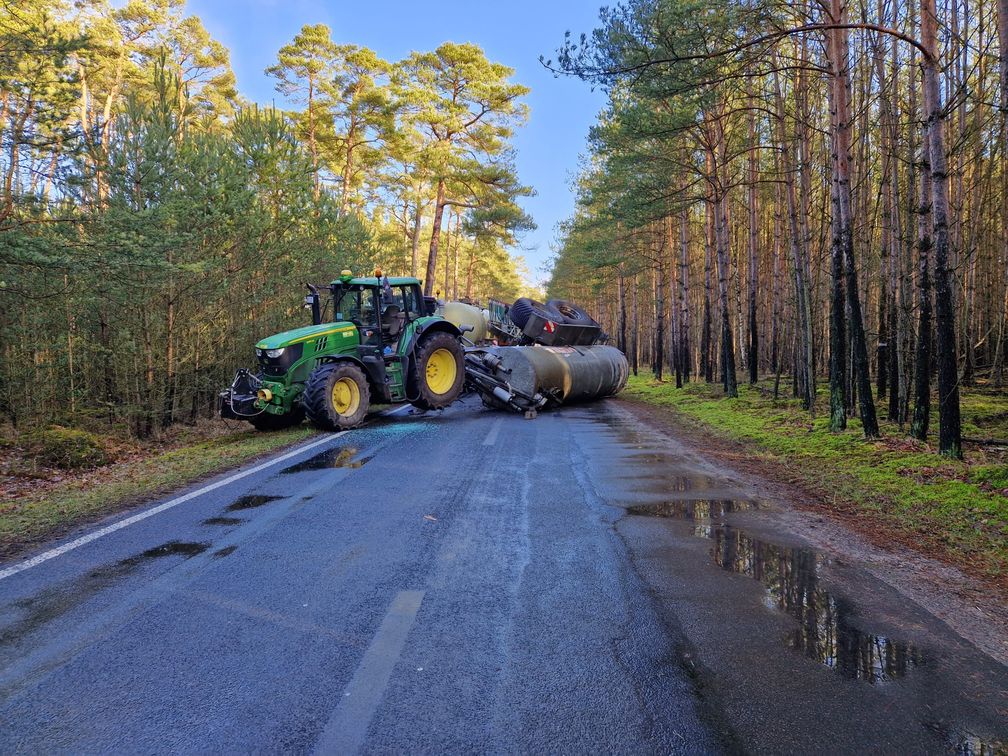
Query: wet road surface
point(470, 581)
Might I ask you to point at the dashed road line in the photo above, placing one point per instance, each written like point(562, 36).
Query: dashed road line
point(347, 727)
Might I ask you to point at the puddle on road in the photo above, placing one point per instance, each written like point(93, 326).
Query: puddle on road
point(790, 574)
point(693, 509)
point(664, 483)
point(826, 631)
point(328, 460)
point(251, 502)
point(51, 603)
point(223, 521)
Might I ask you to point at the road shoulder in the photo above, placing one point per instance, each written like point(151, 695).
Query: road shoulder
point(973, 607)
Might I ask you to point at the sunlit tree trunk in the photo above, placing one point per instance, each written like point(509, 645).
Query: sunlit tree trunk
point(685, 358)
point(439, 207)
point(950, 424)
point(922, 360)
point(753, 346)
point(842, 141)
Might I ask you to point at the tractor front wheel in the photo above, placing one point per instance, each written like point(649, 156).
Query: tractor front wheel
point(336, 396)
point(439, 371)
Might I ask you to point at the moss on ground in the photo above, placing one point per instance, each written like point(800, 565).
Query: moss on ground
point(962, 506)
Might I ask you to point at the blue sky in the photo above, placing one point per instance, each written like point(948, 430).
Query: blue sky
point(515, 33)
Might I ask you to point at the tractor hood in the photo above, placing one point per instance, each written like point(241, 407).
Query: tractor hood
point(345, 332)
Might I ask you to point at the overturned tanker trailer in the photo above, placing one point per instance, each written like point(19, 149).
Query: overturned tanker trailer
point(530, 378)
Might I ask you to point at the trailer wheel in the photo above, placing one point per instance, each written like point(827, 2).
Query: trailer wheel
point(524, 308)
point(571, 313)
point(439, 371)
point(267, 421)
point(336, 396)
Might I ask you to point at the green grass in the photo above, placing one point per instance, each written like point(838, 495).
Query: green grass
point(899, 483)
point(84, 497)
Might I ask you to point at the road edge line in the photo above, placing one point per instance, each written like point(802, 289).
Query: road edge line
point(94, 535)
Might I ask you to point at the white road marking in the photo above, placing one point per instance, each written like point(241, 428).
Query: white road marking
point(491, 438)
point(347, 727)
point(45, 556)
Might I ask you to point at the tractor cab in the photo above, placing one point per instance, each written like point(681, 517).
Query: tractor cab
point(381, 308)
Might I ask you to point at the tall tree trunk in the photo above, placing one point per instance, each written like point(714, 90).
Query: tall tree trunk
point(348, 166)
point(706, 358)
point(922, 358)
point(439, 207)
point(312, 143)
point(685, 358)
point(842, 141)
point(753, 351)
point(635, 332)
point(415, 239)
point(775, 291)
point(1002, 26)
point(838, 336)
point(622, 313)
point(729, 379)
point(950, 424)
point(804, 364)
point(658, 355)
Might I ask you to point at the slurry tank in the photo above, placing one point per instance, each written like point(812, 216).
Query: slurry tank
point(563, 374)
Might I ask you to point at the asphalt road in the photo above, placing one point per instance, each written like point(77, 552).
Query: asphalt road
point(472, 581)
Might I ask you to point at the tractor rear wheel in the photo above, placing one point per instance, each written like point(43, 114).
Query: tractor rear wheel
point(267, 421)
point(439, 371)
point(336, 396)
point(572, 314)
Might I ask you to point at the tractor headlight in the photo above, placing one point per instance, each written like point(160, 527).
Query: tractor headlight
point(274, 353)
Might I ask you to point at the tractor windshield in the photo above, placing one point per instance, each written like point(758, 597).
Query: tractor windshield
point(359, 306)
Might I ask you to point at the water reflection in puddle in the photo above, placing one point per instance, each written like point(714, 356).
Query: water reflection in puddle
point(341, 456)
point(790, 575)
point(670, 484)
point(693, 509)
point(825, 631)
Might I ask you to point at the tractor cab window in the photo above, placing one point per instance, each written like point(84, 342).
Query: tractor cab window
point(358, 306)
point(407, 295)
point(404, 298)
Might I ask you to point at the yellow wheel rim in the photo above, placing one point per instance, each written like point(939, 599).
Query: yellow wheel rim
point(345, 396)
point(441, 371)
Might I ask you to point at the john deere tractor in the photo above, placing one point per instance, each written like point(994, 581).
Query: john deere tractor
point(379, 342)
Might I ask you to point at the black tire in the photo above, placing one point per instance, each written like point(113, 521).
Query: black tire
point(434, 383)
point(524, 308)
point(331, 383)
point(266, 421)
point(571, 313)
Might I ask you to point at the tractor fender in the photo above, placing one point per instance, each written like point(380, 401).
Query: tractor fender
point(430, 327)
point(369, 370)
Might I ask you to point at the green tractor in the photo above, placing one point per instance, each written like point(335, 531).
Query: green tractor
point(382, 343)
